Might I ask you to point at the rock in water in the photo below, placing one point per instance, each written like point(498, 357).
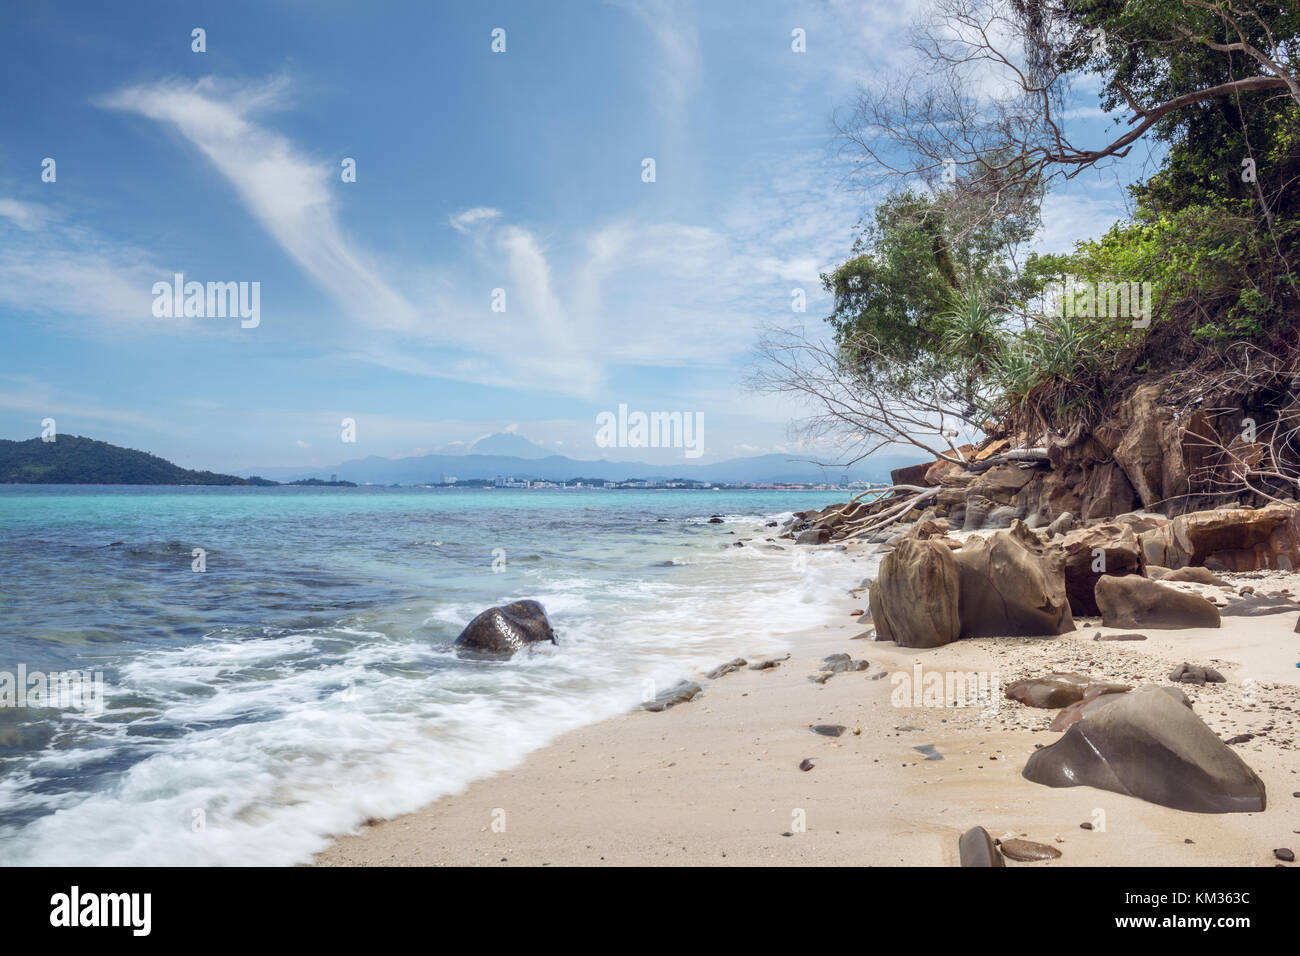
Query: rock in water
point(1027, 851)
point(680, 693)
point(977, 849)
point(1135, 601)
point(500, 631)
point(723, 670)
point(1147, 745)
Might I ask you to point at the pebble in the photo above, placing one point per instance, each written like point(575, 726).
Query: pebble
point(828, 730)
point(1285, 855)
point(1027, 851)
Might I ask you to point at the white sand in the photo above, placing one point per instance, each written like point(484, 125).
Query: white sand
point(717, 780)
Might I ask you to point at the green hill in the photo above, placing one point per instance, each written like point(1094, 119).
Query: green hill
point(73, 460)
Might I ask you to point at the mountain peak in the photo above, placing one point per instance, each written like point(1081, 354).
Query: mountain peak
point(508, 444)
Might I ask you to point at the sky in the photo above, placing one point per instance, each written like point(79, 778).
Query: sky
point(522, 171)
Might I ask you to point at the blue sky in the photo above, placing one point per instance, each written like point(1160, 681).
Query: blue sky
point(476, 170)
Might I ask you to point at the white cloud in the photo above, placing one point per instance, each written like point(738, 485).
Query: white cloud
point(288, 192)
point(464, 220)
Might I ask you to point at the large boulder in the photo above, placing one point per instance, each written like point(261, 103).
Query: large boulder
point(1009, 588)
point(1135, 601)
point(1241, 539)
point(1147, 745)
point(500, 631)
point(1088, 553)
point(914, 596)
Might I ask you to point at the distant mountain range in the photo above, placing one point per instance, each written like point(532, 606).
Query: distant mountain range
point(513, 456)
point(72, 459)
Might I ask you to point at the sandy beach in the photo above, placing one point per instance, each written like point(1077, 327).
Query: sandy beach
point(717, 780)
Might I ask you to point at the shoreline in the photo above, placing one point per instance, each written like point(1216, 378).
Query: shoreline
point(717, 780)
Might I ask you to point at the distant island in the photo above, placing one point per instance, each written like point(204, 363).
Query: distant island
point(74, 460)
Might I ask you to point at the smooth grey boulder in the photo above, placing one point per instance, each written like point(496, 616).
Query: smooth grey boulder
point(1146, 744)
point(1134, 601)
point(501, 631)
point(977, 849)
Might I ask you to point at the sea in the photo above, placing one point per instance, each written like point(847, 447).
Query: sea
point(275, 666)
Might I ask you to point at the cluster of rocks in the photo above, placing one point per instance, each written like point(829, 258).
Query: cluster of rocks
point(933, 588)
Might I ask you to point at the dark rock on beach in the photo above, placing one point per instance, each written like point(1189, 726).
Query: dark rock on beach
point(679, 693)
point(724, 669)
point(1135, 601)
point(1147, 745)
point(977, 849)
point(499, 632)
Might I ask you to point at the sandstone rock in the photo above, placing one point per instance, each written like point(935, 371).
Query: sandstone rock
point(1151, 450)
point(1256, 606)
point(1146, 745)
point(1237, 539)
point(914, 596)
point(1008, 588)
point(1074, 711)
point(1186, 673)
point(1055, 690)
point(501, 631)
point(1064, 522)
point(977, 512)
point(976, 849)
point(1135, 601)
point(1193, 574)
point(1027, 851)
point(1110, 546)
point(813, 536)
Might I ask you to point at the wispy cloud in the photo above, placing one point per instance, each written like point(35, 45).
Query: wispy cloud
point(289, 192)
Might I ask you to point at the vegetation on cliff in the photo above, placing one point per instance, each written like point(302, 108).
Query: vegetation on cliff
point(944, 332)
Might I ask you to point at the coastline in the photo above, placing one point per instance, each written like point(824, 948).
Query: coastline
point(716, 781)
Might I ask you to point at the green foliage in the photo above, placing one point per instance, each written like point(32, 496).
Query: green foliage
point(73, 460)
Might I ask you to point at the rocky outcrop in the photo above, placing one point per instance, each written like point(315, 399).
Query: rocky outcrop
point(501, 631)
point(914, 597)
point(1240, 539)
point(1089, 553)
point(1009, 588)
point(1134, 601)
point(1147, 745)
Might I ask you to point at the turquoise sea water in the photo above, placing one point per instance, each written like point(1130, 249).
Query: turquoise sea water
point(305, 681)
